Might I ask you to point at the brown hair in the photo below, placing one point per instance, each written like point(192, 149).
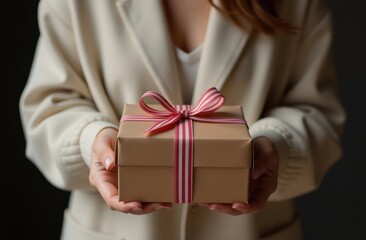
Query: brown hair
point(261, 14)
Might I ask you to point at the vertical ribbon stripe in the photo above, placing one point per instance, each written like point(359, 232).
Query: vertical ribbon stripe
point(183, 166)
point(181, 117)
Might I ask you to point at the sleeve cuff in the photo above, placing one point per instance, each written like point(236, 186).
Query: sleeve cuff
point(88, 135)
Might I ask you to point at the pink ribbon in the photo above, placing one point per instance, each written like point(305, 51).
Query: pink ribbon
point(181, 117)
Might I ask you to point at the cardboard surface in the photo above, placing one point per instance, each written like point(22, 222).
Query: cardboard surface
point(222, 160)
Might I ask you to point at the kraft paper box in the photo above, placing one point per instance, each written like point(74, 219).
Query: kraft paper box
point(222, 156)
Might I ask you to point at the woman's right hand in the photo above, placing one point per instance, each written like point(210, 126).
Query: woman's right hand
point(103, 176)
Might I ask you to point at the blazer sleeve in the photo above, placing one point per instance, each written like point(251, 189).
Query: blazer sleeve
point(58, 114)
point(306, 125)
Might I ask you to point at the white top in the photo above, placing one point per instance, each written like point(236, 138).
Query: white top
point(188, 66)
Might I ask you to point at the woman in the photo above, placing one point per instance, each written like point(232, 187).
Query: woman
point(271, 57)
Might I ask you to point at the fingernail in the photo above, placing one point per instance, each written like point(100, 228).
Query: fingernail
point(237, 207)
point(136, 209)
point(212, 208)
point(107, 163)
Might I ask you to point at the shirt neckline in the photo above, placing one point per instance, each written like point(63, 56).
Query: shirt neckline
point(190, 57)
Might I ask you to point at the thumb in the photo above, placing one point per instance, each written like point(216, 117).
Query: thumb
point(103, 147)
point(265, 156)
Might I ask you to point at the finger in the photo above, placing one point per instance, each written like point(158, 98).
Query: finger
point(265, 157)
point(224, 208)
point(105, 154)
point(105, 182)
point(108, 162)
point(105, 158)
point(95, 167)
point(103, 147)
point(242, 207)
point(256, 202)
point(151, 207)
point(125, 207)
point(113, 202)
point(261, 165)
point(109, 193)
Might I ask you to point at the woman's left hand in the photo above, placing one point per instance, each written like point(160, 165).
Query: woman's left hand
point(263, 180)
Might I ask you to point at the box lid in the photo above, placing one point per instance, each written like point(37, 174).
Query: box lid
point(215, 144)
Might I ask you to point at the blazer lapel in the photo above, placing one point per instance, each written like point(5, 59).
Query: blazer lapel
point(145, 20)
point(224, 42)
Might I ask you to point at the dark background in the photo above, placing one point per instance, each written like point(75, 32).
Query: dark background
point(31, 208)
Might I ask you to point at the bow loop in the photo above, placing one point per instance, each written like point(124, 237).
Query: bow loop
point(161, 100)
point(209, 102)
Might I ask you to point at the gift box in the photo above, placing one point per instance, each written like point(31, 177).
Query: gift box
point(217, 157)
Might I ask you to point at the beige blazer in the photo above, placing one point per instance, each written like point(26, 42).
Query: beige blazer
point(94, 56)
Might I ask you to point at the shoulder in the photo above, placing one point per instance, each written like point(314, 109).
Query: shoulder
point(56, 8)
point(75, 10)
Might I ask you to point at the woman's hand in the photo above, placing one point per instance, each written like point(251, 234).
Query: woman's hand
point(103, 176)
point(263, 180)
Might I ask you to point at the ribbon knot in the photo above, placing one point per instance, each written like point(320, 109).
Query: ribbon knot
point(184, 114)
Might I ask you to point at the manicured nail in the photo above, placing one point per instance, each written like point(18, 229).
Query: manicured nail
point(212, 208)
point(236, 207)
point(107, 163)
point(136, 209)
